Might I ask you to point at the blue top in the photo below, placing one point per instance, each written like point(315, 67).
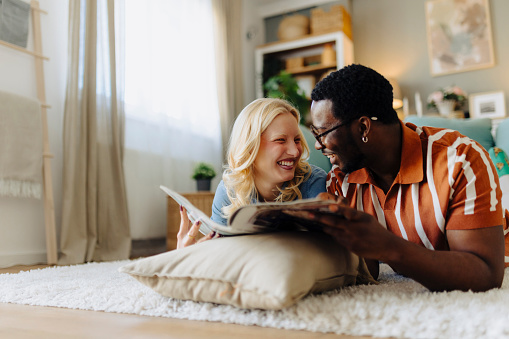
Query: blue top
point(309, 189)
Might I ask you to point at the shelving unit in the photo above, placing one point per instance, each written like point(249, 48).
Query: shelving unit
point(310, 46)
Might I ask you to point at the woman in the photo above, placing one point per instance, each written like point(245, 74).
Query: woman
point(267, 156)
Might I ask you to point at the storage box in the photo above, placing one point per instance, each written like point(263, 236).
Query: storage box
point(292, 63)
point(337, 19)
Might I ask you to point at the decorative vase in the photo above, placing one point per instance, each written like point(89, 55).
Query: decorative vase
point(203, 184)
point(446, 107)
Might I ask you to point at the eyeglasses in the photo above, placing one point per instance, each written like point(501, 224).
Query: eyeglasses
point(318, 136)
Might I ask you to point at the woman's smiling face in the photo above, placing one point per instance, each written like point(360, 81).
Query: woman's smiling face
point(280, 150)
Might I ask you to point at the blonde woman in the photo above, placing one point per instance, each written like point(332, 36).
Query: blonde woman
point(267, 161)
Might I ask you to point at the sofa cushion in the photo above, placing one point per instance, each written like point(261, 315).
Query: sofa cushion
point(502, 135)
point(268, 271)
point(499, 158)
point(477, 129)
point(501, 162)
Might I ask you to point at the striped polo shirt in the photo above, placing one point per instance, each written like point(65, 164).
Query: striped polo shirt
point(446, 182)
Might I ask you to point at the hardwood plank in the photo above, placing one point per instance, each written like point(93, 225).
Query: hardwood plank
point(19, 268)
point(22, 321)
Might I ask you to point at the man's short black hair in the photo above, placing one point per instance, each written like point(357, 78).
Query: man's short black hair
point(357, 91)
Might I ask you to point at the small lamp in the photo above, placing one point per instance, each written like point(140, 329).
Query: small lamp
point(397, 101)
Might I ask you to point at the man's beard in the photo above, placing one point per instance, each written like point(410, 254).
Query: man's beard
point(353, 165)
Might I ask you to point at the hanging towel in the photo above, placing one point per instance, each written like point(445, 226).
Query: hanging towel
point(14, 17)
point(20, 146)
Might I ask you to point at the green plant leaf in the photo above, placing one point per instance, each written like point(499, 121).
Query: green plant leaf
point(203, 171)
point(285, 86)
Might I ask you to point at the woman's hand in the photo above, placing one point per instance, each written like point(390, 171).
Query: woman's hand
point(188, 235)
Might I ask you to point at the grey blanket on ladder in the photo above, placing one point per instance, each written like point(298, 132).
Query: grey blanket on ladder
point(20, 146)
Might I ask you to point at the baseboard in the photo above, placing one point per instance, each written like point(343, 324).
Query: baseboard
point(9, 260)
point(140, 248)
point(147, 247)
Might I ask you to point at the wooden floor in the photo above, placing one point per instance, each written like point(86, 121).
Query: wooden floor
point(22, 321)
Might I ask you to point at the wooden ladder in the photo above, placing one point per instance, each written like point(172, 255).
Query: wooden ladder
point(49, 205)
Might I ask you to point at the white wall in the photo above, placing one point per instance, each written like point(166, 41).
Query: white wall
point(390, 36)
point(22, 229)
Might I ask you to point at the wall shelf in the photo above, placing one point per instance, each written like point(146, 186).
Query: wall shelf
point(305, 47)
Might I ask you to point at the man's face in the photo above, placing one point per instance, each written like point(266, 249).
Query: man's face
point(338, 145)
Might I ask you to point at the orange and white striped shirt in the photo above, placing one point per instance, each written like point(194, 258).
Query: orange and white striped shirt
point(446, 182)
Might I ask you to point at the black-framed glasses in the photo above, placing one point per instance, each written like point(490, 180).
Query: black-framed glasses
point(318, 136)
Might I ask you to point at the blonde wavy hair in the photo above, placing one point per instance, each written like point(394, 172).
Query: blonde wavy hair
point(243, 149)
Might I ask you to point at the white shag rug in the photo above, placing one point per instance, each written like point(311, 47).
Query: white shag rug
point(398, 307)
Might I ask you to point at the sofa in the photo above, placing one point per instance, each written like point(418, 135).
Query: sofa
point(315, 156)
point(492, 135)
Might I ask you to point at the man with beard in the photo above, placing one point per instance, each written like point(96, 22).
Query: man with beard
point(424, 200)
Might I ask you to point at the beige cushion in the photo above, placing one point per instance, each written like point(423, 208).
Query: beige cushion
point(268, 271)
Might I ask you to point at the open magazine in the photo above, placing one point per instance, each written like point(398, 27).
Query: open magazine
point(257, 218)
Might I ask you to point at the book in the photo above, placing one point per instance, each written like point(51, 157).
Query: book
point(259, 217)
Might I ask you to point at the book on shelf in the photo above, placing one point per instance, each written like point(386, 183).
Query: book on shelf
point(259, 217)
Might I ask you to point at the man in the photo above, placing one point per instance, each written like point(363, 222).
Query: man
point(426, 201)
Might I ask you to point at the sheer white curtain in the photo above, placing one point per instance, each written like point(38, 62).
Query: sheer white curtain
point(95, 224)
point(172, 118)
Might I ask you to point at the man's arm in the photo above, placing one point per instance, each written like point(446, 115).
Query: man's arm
point(475, 260)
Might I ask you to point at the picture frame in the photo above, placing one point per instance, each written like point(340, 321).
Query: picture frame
point(459, 36)
point(487, 105)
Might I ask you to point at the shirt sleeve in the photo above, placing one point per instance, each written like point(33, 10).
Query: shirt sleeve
point(220, 199)
point(333, 184)
point(315, 183)
point(476, 196)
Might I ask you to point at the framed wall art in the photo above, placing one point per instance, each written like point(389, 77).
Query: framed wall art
point(487, 105)
point(459, 36)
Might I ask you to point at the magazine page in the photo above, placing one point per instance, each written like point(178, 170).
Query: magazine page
point(193, 213)
point(287, 216)
point(256, 218)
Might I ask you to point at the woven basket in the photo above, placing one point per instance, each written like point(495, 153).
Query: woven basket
point(337, 19)
point(293, 63)
point(293, 27)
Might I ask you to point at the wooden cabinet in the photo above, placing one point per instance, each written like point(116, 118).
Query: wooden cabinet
point(202, 200)
point(307, 51)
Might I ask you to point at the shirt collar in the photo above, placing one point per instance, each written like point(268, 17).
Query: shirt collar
point(411, 167)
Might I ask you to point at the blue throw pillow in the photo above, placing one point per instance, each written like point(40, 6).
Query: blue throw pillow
point(477, 129)
point(499, 158)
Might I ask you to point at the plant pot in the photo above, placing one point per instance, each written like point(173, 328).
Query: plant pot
point(446, 107)
point(203, 184)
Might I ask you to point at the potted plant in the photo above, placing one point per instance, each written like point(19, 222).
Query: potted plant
point(447, 99)
point(284, 86)
point(203, 174)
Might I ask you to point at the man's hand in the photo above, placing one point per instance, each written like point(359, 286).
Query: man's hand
point(474, 261)
point(338, 199)
point(357, 231)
